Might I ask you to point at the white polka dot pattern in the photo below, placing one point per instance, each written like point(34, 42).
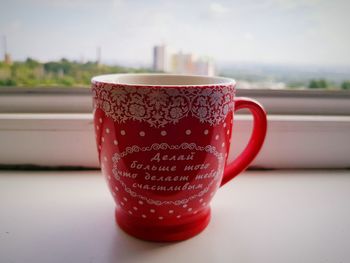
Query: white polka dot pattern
point(140, 208)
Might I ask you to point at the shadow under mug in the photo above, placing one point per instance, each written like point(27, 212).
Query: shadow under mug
point(163, 142)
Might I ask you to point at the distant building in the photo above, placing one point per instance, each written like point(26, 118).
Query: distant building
point(7, 59)
point(205, 67)
point(7, 56)
point(160, 58)
point(98, 55)
point(181, 63)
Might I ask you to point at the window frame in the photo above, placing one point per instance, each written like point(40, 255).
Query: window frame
point(54, 127)
point(78, 100)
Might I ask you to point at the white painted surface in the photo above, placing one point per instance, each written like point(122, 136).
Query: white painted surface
point(271, 216)
point(79, 100)
point(68, 140)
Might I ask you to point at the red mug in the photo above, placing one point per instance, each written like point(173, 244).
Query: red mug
point(163, 142)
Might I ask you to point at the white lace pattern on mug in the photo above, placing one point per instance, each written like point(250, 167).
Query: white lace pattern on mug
point(160, 106)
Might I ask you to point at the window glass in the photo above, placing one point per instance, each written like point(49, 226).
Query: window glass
point(275, 44)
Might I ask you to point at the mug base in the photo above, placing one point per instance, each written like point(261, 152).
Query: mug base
point(166, 232)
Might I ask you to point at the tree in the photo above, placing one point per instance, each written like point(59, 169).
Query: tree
point(31, 63)
point(346, 84)
point(318, 84)
point(32, 73)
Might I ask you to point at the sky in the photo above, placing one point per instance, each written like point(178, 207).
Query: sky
point(296, 32)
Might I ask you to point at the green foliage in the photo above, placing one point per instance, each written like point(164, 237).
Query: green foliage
point(318, 84)
point(31, 63)
point(32, 73)
point(7, 82)
point(346, 85)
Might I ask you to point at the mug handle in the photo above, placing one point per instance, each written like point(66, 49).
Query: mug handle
point(255, 142)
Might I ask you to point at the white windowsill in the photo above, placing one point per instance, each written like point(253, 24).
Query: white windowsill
point(307, 128)
point(262, 216)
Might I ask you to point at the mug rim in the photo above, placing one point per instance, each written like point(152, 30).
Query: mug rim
point(184, 80)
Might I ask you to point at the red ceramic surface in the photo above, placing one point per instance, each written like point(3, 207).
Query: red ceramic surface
point(163, 149)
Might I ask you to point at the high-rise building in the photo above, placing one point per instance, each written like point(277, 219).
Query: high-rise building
point(181, 63)
point(160, 58)
point(205, 67)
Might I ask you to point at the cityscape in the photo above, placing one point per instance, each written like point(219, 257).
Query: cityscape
point(261, 44)
point(165, 59)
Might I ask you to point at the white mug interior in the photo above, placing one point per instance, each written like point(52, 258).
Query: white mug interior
point(162, 80)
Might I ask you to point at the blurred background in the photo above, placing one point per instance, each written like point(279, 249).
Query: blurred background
point(266, 44)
